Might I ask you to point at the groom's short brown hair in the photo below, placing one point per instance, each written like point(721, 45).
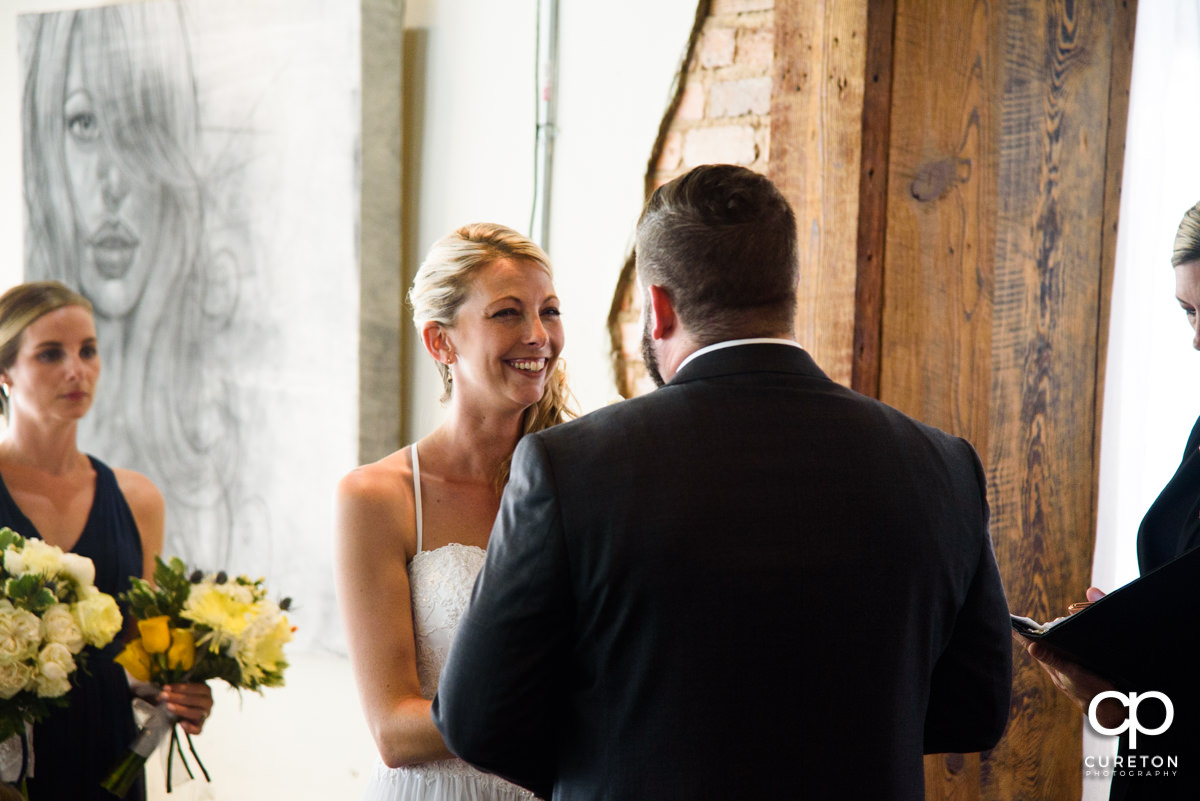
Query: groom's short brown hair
point(721, 240)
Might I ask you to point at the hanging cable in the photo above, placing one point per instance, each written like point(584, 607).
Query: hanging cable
point(547, 118)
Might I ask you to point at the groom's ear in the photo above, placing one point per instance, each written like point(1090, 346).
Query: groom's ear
point(664, 321)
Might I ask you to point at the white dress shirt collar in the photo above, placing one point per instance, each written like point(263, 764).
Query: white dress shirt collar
point(731, 343)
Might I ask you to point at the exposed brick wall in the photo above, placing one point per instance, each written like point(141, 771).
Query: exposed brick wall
point(721, 114)
point(724, 110)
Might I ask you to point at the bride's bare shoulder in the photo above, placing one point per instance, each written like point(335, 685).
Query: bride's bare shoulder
point(387, 480)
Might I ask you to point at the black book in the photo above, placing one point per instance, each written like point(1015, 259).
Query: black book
point(1141, 636)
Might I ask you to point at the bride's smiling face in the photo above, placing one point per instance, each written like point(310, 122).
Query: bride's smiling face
point(507, 335)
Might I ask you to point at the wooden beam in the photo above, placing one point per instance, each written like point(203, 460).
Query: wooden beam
point(872, 197)
point(1006, 129)
point(1061, 135)
point(816, 145)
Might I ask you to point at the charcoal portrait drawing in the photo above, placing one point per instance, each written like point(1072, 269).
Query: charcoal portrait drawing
point(151, 168)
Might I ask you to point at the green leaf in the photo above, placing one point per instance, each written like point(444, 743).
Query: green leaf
point(42, 600)
point(8, 538)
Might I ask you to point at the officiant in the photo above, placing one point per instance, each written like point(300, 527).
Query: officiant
point(1169, 529)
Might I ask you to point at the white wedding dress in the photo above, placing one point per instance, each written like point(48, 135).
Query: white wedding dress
point(441, 582)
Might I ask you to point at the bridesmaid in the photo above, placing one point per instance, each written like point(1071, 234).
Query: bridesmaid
point(412, 527)
point(49, 366)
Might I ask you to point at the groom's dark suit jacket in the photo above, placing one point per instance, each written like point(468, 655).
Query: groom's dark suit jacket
point(751, 583)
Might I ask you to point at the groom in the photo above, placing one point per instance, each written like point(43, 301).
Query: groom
point(750, 583)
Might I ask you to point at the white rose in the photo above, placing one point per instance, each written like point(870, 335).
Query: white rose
point(99, 617)
point(55, 666)
point(14, 563)
point(41, 558)
point(29, 626)
point(62, 627)
point(80, 568)
point(14, 676)
point(20, 633)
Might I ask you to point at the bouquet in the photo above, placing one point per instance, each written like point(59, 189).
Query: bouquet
point(50, 611)
point(194, 628)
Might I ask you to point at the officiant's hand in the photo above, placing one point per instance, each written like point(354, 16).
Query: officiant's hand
point(191, 702)
point(1093, 594)
point(1080, 684)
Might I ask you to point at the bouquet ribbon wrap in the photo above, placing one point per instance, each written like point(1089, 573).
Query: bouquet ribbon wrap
point(158, 725)
point(16, 756)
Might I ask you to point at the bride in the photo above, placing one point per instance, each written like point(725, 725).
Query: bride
point(412, 527)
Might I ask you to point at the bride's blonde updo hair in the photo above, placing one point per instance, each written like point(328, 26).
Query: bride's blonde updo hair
point(443, 282)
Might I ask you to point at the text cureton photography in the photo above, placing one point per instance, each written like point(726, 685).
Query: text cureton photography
point(1130, 765)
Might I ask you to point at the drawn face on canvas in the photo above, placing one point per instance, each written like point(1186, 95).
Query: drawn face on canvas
point(115, 213)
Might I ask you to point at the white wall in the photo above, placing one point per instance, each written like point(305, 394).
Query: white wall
point(617, 61)
point(475, 148)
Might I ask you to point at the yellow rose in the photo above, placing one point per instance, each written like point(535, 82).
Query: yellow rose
point(156, 633)
point(182, 653)
point(98, 616)
point(135, 660)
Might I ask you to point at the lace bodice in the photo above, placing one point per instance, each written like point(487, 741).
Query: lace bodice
point(441, 581)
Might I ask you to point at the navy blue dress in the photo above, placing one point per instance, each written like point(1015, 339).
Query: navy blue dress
point(75, 747)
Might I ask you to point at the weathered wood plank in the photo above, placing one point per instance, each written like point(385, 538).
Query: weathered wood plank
point(816, 145)
point(1045, 350)
point(936, 324)
point(940, 215)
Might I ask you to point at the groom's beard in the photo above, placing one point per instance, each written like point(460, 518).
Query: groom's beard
point(649, 354)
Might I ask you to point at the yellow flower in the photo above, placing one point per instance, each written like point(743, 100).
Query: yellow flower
point(224, 608)
point(182, 653)
point(98, 616)
point(260, 651)
point(156, 634)
point(135, 659)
